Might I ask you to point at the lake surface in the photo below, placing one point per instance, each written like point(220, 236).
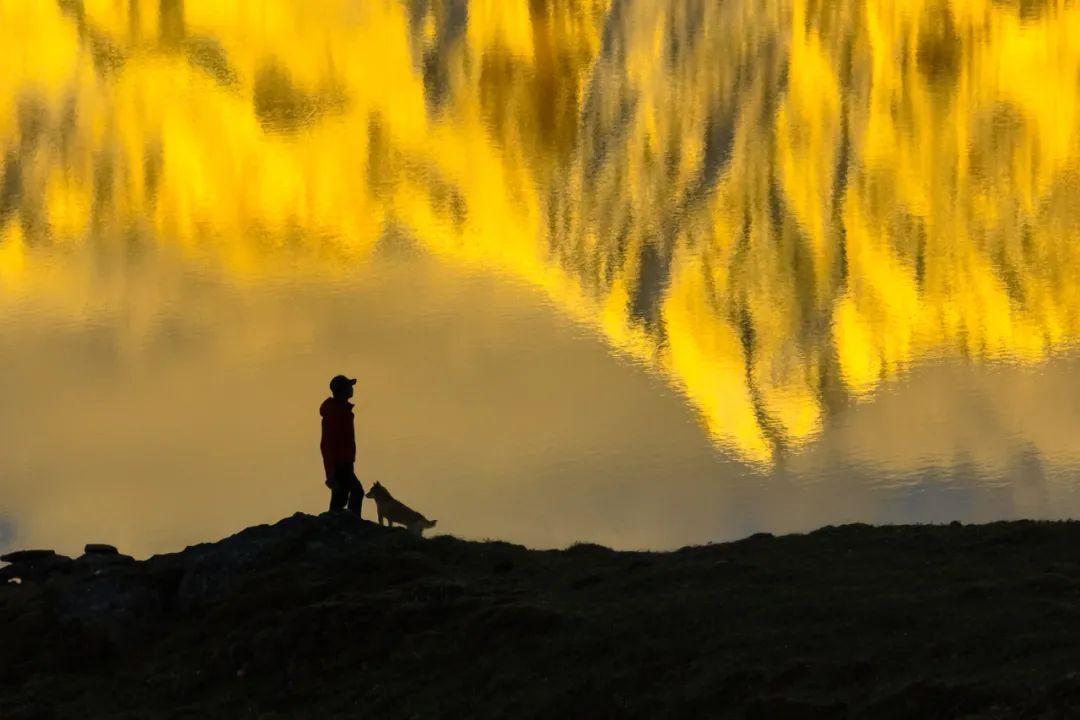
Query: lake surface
point(643, 273)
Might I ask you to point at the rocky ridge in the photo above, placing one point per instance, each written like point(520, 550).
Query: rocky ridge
point(331, 616)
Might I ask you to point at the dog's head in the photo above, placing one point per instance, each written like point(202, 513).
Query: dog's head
point(377, 491)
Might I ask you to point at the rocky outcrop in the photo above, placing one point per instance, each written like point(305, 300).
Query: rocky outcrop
point(35, 565)
point(332, 616)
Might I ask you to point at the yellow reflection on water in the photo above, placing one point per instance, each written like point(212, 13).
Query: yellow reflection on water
point(776, 204)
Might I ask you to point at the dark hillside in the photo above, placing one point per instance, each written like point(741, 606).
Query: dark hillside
point(326, 617)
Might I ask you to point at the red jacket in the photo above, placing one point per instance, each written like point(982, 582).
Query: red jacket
point(338, 436)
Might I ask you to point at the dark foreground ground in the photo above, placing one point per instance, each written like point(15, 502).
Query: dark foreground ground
point(326, 617)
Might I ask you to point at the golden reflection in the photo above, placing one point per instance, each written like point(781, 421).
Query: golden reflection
point(775, 203)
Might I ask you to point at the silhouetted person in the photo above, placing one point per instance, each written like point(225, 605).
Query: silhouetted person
point(339, 447)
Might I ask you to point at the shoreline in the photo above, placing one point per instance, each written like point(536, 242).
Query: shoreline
point(330, 616)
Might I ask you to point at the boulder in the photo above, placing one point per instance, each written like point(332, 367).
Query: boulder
point(100, 549)
point(29, 556)
point(33, 564)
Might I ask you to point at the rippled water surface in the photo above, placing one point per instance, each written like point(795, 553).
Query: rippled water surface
point(644, 273)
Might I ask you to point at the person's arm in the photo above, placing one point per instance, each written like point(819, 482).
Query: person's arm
point(340, 434)
point(350, 437)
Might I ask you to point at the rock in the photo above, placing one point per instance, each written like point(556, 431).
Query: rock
point(100, 549)
point(29, 556)
point(100, 554)
point(34, 564)
point(98, 560)
point(111, 598)
point(212, 571)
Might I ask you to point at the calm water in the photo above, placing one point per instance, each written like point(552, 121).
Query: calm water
point(645, 273)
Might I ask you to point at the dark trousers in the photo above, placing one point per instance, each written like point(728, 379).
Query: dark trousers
point(346, 490)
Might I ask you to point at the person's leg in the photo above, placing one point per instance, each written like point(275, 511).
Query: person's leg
point(356, 492)
point(337, 498)
point(339, 491)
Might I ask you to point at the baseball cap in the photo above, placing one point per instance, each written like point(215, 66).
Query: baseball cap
point(340, 381)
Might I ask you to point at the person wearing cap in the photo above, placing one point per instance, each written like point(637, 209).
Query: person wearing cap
point(338, 447)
